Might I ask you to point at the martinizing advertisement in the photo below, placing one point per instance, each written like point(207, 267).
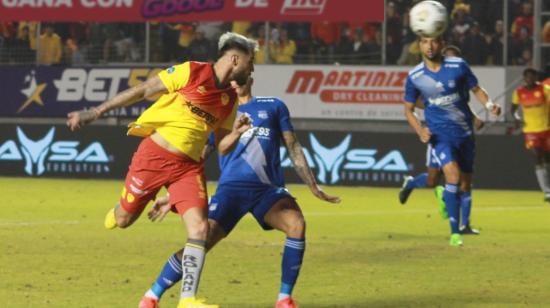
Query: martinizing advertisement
point(317, 91)
point(191, 10)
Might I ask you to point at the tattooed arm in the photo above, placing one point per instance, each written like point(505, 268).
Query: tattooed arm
point(299, 162)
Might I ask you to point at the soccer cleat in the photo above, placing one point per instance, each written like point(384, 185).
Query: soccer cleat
point(192, 302)
point(456, 240)
point(286, 302)
point(468, 230)
point(147, 302)
point(110, 220)
point(405, 192)
point(440, 202)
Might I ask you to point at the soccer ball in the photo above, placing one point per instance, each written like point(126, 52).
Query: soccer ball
point(428, 18)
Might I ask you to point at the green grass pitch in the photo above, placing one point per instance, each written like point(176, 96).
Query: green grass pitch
point(369, 251)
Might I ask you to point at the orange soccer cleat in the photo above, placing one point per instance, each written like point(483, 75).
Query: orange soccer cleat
point(147, 302)
point(286, 302)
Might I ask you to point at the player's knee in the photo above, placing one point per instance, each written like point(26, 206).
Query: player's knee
point(123, 222)
point(296, 227)
point(198, 230)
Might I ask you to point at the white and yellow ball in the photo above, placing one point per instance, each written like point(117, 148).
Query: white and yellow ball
point(428, 18)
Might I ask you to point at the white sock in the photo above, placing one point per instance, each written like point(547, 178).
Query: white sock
point(192, 261)
point(542, 178)
point(282, 296)
point(150, 294)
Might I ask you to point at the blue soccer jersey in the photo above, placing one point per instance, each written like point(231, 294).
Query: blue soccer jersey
point(255, 162)
point(445, 94)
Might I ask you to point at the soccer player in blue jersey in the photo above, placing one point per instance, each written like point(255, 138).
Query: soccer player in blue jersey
point(444, 84)
point(251, 181)
point(431, 178)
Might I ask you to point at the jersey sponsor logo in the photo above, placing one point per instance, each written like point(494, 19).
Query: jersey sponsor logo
point(206, 116)
point(301, 7)
point(262, 114)
point(344, 162)
point(258, 131)
point(445, 100)
point(350, 86)
point(46, 155)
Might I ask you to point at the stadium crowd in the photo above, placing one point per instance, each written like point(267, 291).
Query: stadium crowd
point(475, 26)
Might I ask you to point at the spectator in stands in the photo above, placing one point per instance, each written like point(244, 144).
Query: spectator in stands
point(283, 49)
point(325, 36)
point(495, 44)
point(49, 48)
point(300, 32)
point(212, 30)
point(546, 32)
point(241, 27)
point(21, 51)
point(260, 57)
point(394, 33)
point(169, 37)
point(475, 46)
point(523, 21)
point(460, 23)
point(518, 45)
point(201, 48)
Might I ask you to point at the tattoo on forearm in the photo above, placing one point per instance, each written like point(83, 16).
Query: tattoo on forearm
point(300, 163)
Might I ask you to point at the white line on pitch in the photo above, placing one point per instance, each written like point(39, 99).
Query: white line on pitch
point(15, 223)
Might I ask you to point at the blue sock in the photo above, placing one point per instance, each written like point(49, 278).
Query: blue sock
point(292, 261)
point(170, 274)
point(450, 196)
point(466, 207)
point(418, 182)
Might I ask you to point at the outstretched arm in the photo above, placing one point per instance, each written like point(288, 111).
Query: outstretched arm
point(302, 168)
point(483, 98)
point(150, 87)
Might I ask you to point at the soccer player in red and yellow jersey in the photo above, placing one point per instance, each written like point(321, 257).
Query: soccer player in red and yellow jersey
point(197, 99)
point(534, 97)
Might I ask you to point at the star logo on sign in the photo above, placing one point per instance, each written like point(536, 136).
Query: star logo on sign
point(32, 92)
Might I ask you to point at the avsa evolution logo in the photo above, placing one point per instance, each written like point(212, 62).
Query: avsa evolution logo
point(47, 155)
point(342, 163)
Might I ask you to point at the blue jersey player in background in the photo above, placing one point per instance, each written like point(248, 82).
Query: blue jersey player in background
point(251, 181)
point(431, 178)
point(444, 84)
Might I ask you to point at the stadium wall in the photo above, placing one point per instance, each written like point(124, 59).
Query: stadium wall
point(337, 158)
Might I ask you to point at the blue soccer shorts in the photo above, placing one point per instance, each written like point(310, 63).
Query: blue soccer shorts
point(230, 204)
point(460, 150)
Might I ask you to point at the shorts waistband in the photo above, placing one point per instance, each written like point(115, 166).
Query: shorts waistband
point(150, 145)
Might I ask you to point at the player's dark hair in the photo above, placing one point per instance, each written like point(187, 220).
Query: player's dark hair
point(530, 71)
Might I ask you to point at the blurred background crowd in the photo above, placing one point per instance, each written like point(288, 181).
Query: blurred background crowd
point(479, 28)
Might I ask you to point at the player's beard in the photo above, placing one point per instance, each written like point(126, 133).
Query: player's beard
point(241, 78)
